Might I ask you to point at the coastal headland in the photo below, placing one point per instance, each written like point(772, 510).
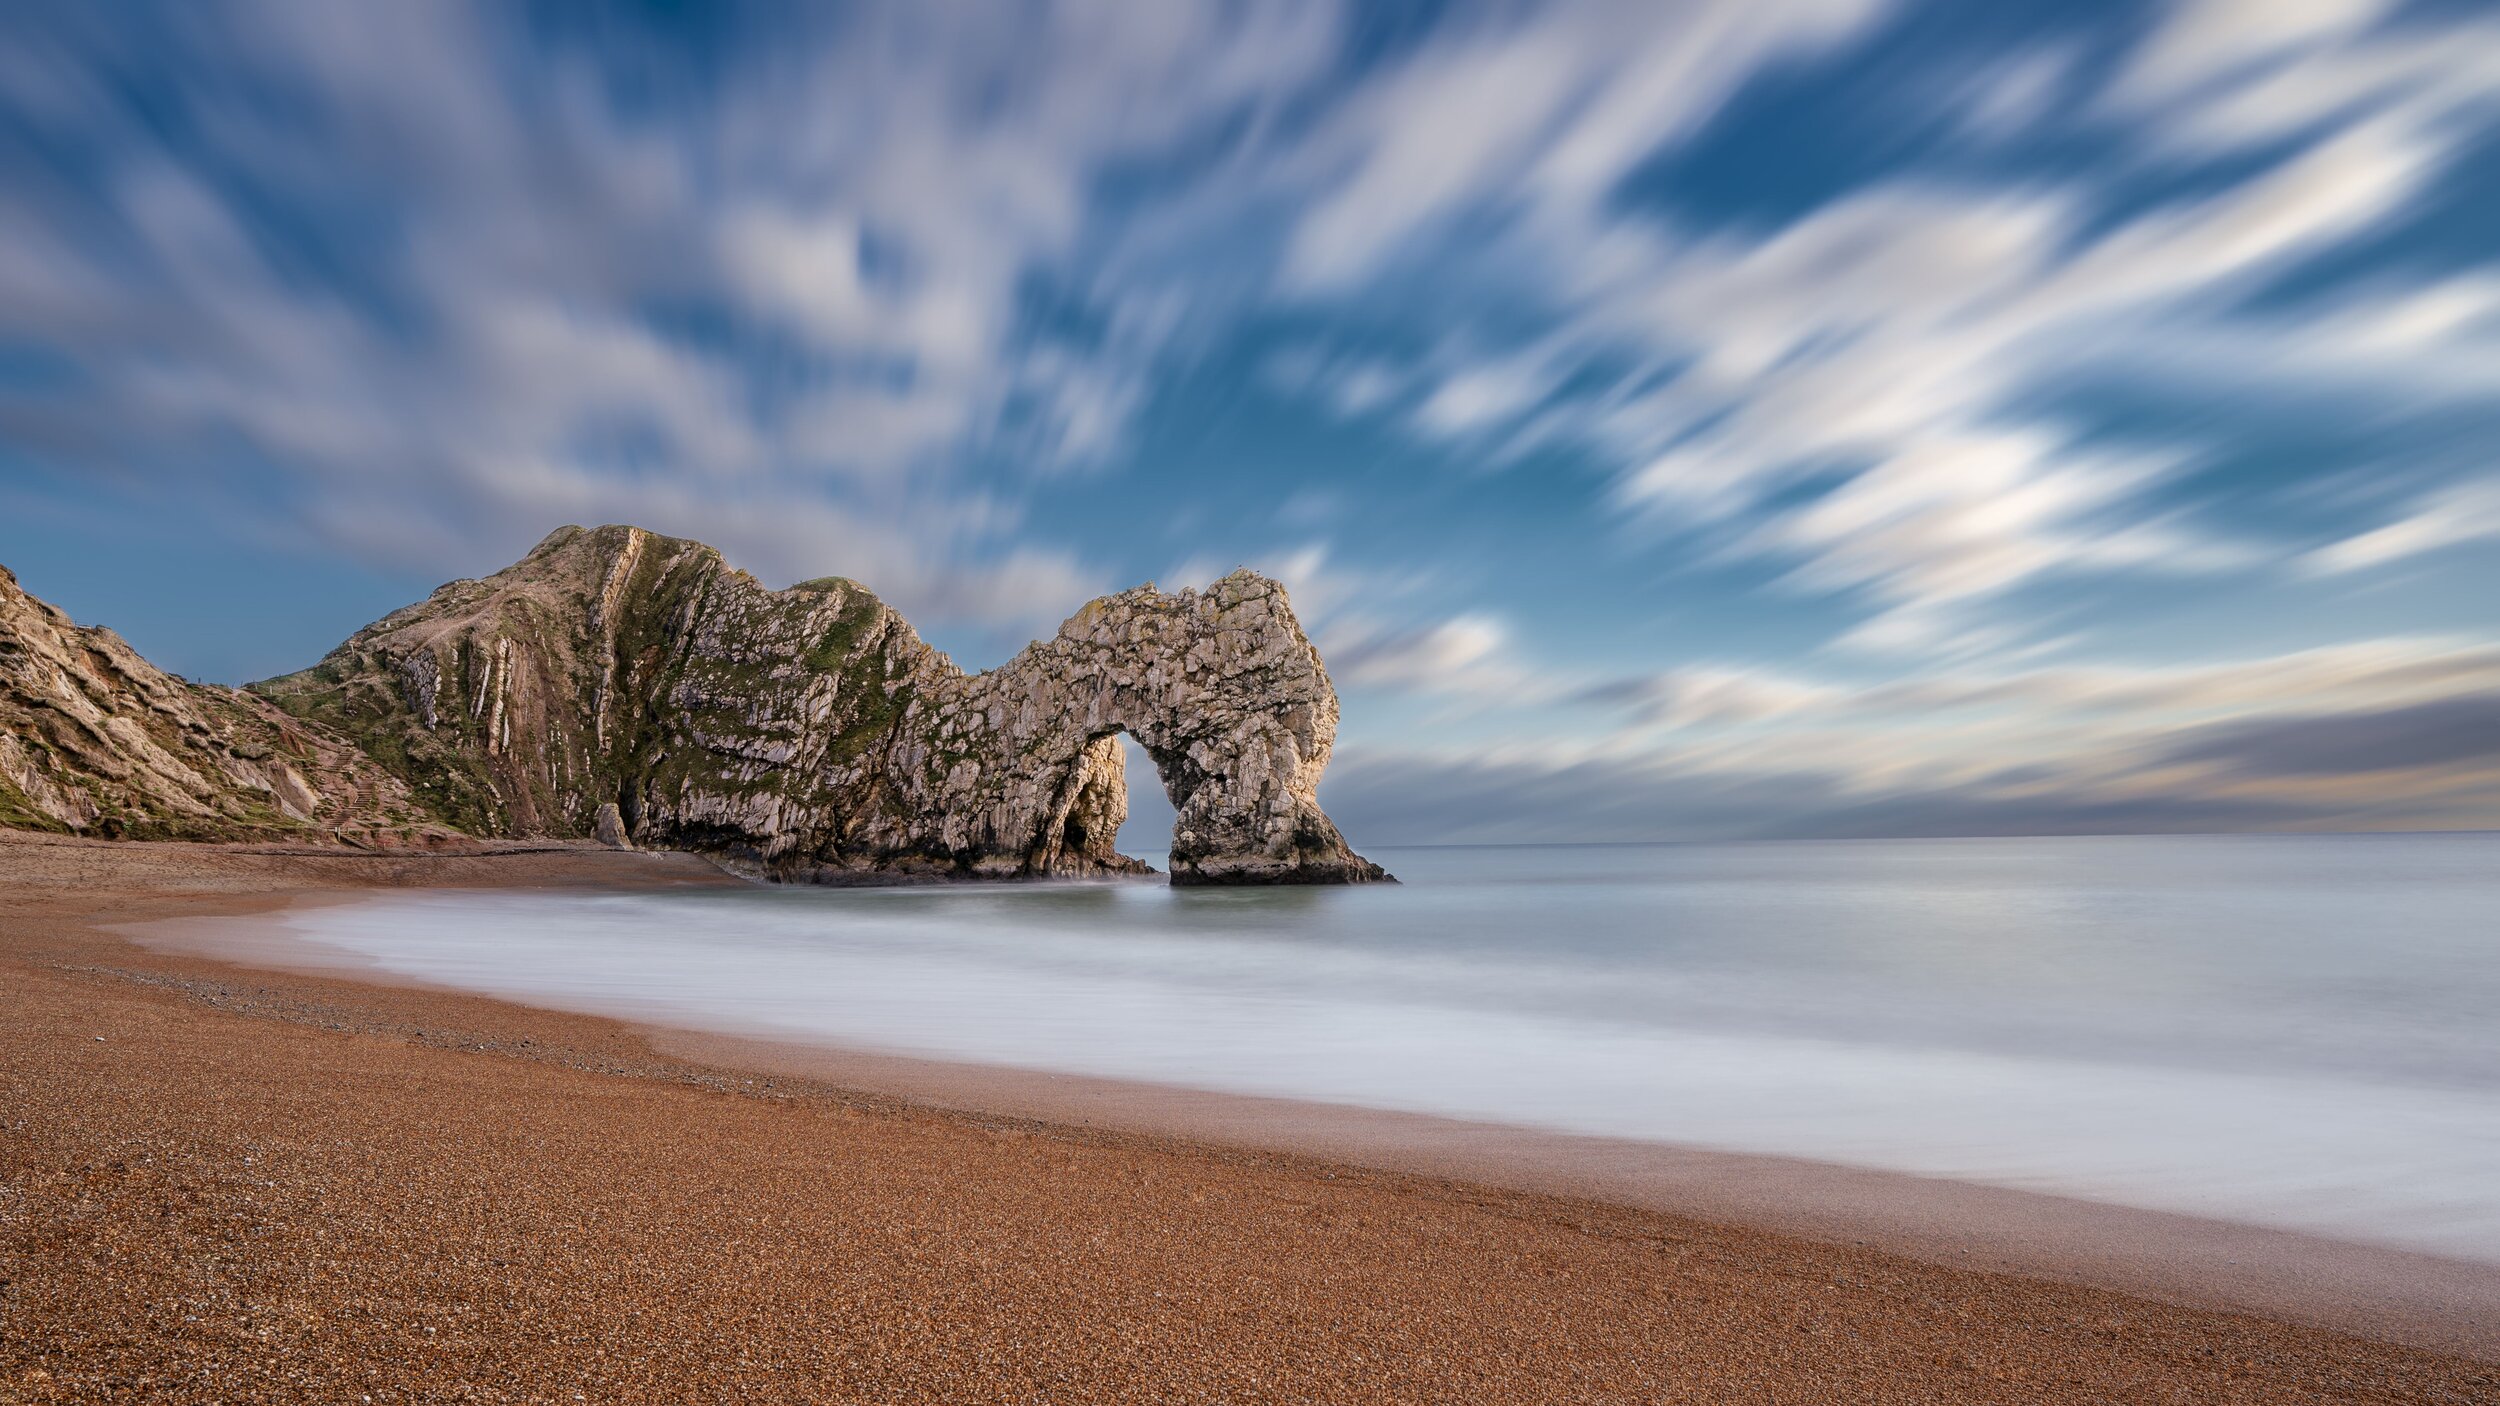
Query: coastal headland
point(618, 685)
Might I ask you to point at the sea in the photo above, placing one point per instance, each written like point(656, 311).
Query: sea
point(2292, 1031)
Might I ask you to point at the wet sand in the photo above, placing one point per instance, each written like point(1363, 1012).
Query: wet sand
point(277, 1186)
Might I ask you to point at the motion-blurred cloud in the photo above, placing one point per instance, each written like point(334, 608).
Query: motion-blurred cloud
point(1770, 417)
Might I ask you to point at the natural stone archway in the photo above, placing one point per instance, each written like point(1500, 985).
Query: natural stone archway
point(810, 734)
point(1220, 687)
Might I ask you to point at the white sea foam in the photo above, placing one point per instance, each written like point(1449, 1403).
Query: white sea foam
point(2290, 1031)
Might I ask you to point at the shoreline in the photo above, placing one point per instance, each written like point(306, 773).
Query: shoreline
point(2388, 1293)
point(2373, 1290)
point(1955, 1243)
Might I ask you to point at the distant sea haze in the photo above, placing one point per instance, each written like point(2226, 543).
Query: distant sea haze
point(2293, 1031)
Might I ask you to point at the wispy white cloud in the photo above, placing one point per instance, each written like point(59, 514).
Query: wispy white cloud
point(2466, 513)
point(2224, 75)
point(1463, 654)
point(1549, 110)
point(1478, 397)
point(1904, 330)
point(882, 194)
point(863, 299)
point(2375, 672)
point(2008, 99)
point(1378, 628)
point(875, 196)
point(2377, 733)
point(1907, 339)
point(1349, 384)
point(2205, 40)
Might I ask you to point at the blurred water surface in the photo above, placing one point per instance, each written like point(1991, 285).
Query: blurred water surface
point(2288, 1030)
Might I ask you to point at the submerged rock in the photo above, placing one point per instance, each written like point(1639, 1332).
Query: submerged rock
point(636, 688)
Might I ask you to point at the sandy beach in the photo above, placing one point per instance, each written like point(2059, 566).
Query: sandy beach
point(230, 1182)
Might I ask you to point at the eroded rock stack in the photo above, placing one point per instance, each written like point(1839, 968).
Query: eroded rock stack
point(617, 676)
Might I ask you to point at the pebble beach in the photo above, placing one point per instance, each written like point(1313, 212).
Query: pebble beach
point(227, 1183)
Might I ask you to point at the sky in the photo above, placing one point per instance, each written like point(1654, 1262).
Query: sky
point(1674, 421)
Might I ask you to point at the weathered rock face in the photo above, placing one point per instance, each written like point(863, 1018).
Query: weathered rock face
point(1221, 689)
point(95, 740)
point(811, 734)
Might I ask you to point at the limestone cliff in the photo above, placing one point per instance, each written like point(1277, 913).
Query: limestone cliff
point(94, 740)
point(619, 683)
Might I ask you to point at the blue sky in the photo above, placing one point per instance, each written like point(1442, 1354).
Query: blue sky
point(1725, 418)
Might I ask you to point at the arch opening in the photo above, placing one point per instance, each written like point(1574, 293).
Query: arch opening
point(1115, 812)
point(1146, 833)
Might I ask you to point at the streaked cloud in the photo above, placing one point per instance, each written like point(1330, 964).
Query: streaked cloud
point(1547, 108)
point(1775, 415)
point(2433, 764)
point(2273, 740)
point(536, 332)
point(2378, 670)
point(2461, 732)
point(2464, 513)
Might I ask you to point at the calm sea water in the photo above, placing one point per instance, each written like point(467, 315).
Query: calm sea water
point(2299, 1031)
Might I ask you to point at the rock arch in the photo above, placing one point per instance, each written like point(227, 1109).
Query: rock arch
point(631, 686)
point(1220, 687)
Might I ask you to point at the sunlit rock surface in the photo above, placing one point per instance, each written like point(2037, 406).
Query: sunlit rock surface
point(96, 741)
point(810, 734)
